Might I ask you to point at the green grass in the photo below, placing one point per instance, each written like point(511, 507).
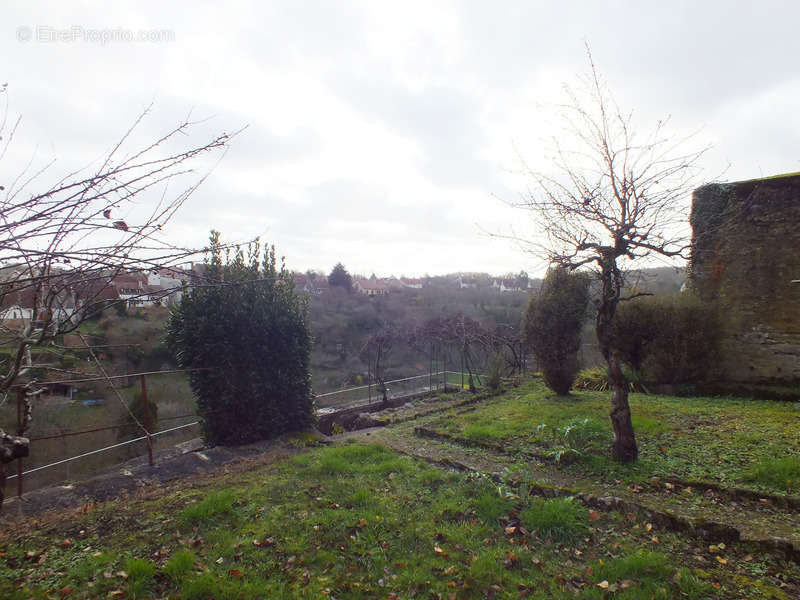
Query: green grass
point(712, 439)
point(777, 473)
point(215, 504)
point(357, 521)
point(180, 565)
point(140, 577)
point(560, 519)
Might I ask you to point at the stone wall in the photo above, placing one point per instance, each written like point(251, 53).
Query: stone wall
point(745, 254)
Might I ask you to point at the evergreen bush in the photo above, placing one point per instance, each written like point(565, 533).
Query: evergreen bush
point(552, 326)
point(246, 334)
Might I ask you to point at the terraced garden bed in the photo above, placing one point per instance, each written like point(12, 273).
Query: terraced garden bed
point(723, 442)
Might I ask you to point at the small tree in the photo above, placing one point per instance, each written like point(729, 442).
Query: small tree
point(245, 334)
point(340, 277)
point(63, 242)
point(375, 353)
point(552, 326)
point(614, 198)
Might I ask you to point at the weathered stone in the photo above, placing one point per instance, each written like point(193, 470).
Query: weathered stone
point(746, 237)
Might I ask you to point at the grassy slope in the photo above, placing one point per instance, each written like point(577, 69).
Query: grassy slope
point(355, 521)
point(747, 443)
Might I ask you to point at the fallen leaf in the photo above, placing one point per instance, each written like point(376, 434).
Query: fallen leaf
point(594, 515)
point(236, 573)
point(722, 561)
point(603, 585)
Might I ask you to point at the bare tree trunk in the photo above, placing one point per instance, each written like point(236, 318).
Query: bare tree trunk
point(12, 447)
point(624, 448)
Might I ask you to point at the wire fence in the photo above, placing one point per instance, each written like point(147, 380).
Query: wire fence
point(90, 449)
point(396, 388)
point(78, 431)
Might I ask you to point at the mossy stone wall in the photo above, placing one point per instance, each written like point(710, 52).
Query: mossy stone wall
point(745, 254)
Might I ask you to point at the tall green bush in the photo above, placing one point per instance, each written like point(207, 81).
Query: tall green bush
point(246, 332)
point(670, 339)
point(552, 326)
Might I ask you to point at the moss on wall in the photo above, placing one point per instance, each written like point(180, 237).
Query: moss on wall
point(745, 253)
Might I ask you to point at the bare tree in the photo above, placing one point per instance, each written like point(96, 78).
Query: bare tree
point(615, 198)
point(60, 248)
point(375, 352)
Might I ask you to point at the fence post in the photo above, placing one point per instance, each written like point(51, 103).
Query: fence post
point(147, 425)
point(20, 401)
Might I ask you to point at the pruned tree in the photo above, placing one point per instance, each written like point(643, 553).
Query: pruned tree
point(614, 198)
point(506, 341)
point(375, 353)
point(61, 246)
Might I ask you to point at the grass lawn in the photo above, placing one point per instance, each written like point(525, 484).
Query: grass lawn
point(361, 521)
point(731, 442)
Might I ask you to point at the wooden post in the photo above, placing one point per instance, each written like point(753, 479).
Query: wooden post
point(20, 402)
point(430, 372)
point(147, 420)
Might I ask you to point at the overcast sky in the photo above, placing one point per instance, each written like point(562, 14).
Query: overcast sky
point(387, 135)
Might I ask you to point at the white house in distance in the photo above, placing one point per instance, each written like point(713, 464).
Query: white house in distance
point(508, 285)
point(411, 283)
point(467, 283)
point(371, 287)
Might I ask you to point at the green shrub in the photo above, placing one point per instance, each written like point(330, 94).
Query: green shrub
point(595, 379)
point(248, 341)
point(561, 519)
point(576, 439)
point(671, 339)
point(494, 378)
point(144, 412)
point(552, 326)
